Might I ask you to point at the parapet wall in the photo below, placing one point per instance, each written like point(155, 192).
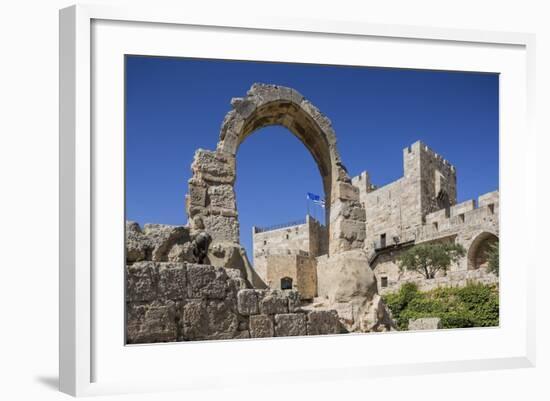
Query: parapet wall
point(178, 301)
point(462, 218)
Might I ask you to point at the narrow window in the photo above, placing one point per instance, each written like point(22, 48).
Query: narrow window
point(383, 240)
point(265, 242)
point(287, 236)
point(384, 282)
point(492, 208)
point(286, 283)
point(436, 226)
point(461, 217)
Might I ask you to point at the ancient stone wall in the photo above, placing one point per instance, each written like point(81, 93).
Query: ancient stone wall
point(420, 207)
point(307, 239)
point(299, 270)
point(179, 301)
point(395, 211)
point(465, 224)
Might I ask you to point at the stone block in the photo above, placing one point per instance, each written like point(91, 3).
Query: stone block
point(294, 301)
point(137, 245)
point(197, 195)
point(232, 125)
point(221, 196)
point(151, 323)
point(222, 228)
point(247, 302)
point(141, 282)
point(163, 237)
point(233, 273)
point(345, 191)
point(425, 323)
point(214, 167)
point(290, 324)
point(352, 230)
point(209, 320)
point(261, 326)
point(206, 281)
point(273, 302)
point(172, 282)
point(182, 253)
point(223, 322)
point(323, 322)
point(195, 320)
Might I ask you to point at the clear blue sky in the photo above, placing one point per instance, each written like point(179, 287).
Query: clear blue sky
point(175, 105)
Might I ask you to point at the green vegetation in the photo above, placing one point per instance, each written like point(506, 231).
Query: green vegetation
point(475, 305)
point(430, 258)
point(493, 258)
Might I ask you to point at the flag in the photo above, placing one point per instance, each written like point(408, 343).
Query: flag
point(315, 199)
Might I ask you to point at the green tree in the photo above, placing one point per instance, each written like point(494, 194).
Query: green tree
point(493, 258)
point(430, 258)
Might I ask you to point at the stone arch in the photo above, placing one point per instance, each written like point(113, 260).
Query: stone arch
point(477, 251)
point(211, 201)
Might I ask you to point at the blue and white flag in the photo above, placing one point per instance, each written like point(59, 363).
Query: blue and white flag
point(316, 199)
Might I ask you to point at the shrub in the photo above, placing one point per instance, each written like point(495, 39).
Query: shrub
point(474, 305)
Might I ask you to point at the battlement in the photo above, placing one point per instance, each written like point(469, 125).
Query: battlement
point(420, 147)
point(467, 213)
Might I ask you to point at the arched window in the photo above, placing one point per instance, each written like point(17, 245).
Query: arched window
point(286, 283)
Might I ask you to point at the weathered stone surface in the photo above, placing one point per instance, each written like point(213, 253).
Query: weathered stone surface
point(172, 282)
point(323, 322)
point(163, 237)
point(210, 320)
point(223, 321)
point(273, 302)
point(247, 302)
point(222, 228)
point(294, 302)
point(221, 196)
point(197, 195)
point(182, 253)
point(290, 324)
point(244, 107)
point(195, 320)
point(213, 167)
point(261, 326)
point(206, 281)
point(345, 276)
point(137, 244)
point(141, 282)
point(377, 317)
point(426, 323)
point(151, 323)
point(232, 125)
point(233, 273)
point(345, 191)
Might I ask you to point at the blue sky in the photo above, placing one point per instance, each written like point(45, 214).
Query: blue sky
point(176, 105)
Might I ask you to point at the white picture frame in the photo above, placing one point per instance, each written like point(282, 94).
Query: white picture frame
point(83, 338)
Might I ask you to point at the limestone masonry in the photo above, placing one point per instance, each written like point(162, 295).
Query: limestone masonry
point(307, 279)
point(419, 207)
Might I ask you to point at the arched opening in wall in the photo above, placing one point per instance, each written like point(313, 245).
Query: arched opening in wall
point(443, 202)
point(478, 251)
point(275, 171)
point(286, 283)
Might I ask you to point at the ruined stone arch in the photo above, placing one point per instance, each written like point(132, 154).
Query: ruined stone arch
point(477, 251)
point(211, 201)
